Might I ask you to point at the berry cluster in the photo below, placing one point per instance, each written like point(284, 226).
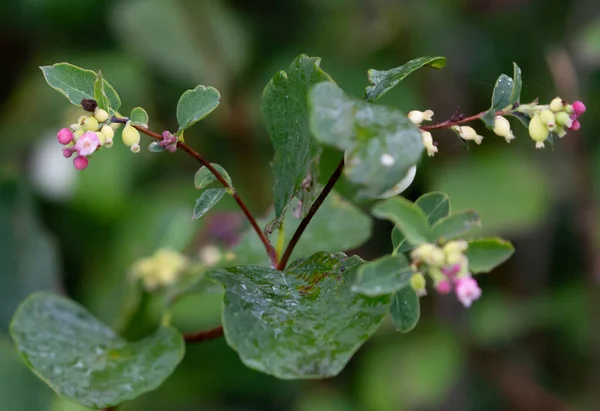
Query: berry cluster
point(448, 267)
point(556, 117)
point(92, 132)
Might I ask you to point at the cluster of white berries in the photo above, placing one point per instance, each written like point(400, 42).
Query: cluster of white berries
point(556, 117)
point(93, 132)
point(448, 267)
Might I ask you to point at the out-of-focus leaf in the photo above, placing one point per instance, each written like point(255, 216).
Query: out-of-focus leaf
point(82, 359)
point(383, 276)
point(78, 84)
point(380, 143)
point(455, 225)
point(486, 254)
point(207, 200)
point(407, 216)
point(204, 177)
point(285, 114)
point(139, 116)
point(28, 258)
point(384, 80)
point(302, 323)
point(405, 309)
point(196, 104)
point(155, 147)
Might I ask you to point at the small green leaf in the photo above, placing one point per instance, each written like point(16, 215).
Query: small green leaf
point(204, 176)
point(501, 98)
point(405, 309)
point(515, 94)
point(78, 84)
point(486, 254)
point(383, 276)
point(380, 143)
point(155, 147)
point(409, 218)
point(456, 225)
point(285, 114)
point(384, 80)
point(196, 104)
point(83, 360)
point(139, 116)
point(99, 94)
point(207, 200)
point(435, 205)
point(302, 323)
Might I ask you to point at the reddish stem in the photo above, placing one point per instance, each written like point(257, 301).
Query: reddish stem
point(450, 123)
point(204, 335)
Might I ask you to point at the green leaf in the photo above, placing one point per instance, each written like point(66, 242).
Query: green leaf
point(435, 205)
point(455, 225)
point(501, 98)
point(77, 84)
point(82, 359)
point(204, 177)
point(380, 143)
point(196, 104)
point(409, 218)
point(405, 309)
point(207, 200)
point(515, 94)
point(285, 114)
point(139, 116)
point(383, 276)
point(99, 94)
point(155, 147)
point(384, 80)
point(486, 254)
point(302, 323)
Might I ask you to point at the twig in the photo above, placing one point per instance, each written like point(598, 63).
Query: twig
point(451, 122)
point(313, 210)
point(268, 246)
point(204, 335)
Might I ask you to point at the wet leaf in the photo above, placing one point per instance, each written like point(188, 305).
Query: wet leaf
point(501, 98)
point(196, 104)
point(100, 94)
point(204, 176)
point(207, 200)
point(383, 276)
point(515, 94)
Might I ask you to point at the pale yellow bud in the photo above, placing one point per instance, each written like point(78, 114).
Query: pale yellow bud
point(417, 282)
point(101, 138)
point(556, 105)
point(428, 143)
point(108, 133)
point(100, 115)
point(90, 124)
point(77, 134)
point(468, 133)
point(417, 117)
point(458, 246)
point(502, 128)
point(131, 137)
point(163, 268)
point(538, 131)
point(548, 119)
point(115, 126)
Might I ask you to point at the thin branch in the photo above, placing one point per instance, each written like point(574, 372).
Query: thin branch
point(204, 335)
point(268, 246)
point(451, 122)
point(313, 210)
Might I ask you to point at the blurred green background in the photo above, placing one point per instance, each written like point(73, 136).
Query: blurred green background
point(530, 343)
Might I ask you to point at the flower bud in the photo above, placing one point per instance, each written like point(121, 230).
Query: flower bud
point(81, 162)
point(64, 136)
point(100, 115)
point(135, 148)
point(90, 124)
point(579, 108)
point(563, 119)
point(428, 143)
point(557, 105)
point(538, 131)
point(417, 117)
point(468, 133)
point(502, 128)
point(576, 125)
point(68, 152)
point(108, 132)
point(101, 138)
point(115, 126)
point(548, 119)
point(131, 136)
point(457, 246)
point(77, 134)
point(417, 282)
point(561, 132)
point(443, 287)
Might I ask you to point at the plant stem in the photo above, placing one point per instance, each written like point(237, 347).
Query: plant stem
point(450, 123)
point(268, 246)
point(313, 210)
point(204, 335)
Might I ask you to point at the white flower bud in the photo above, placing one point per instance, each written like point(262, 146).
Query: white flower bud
point(468, 133)
point(131, 137)
point(100, 115)
point(538, 131)
point(90, 124)
point(556, 105)
point(548, 119)
point(428, 143)
point(502, 128)
point(417, 117)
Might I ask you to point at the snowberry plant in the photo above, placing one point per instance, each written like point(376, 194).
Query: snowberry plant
point(294, 306)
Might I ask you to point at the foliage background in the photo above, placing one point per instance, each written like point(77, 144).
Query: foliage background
point(530, 343)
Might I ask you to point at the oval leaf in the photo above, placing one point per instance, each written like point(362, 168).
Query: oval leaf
point(204, 176)
point(207, 200)
point(405, 309)
point(501, 98)
point(139, 116)
point(409, 218)
point(302, 323)
point(77, 83)
point(515, 94)
point(486, 254)
point(384, 80)
point(383, 276)
point(455, 225)
point(99, 93)
point(82, 359)
point(196, 104)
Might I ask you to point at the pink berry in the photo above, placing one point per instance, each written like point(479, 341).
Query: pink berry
point(65, 136)
point(68, 152)
point(81, 162)
point(576, 125)
point(443, 287)
point(578, 107)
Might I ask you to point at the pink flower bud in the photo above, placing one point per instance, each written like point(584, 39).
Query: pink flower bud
point(65, 136)
point(467, 291)
point(87, 144)
point(68, 152)
point(451, 270)
point(578, 108)
point(81, 162)
point(443, 287)
point(576, 125)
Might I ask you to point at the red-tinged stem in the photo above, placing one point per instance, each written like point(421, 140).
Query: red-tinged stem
point(204, 335)
point(268, 246)
point(450, 123)
point(313, 210)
